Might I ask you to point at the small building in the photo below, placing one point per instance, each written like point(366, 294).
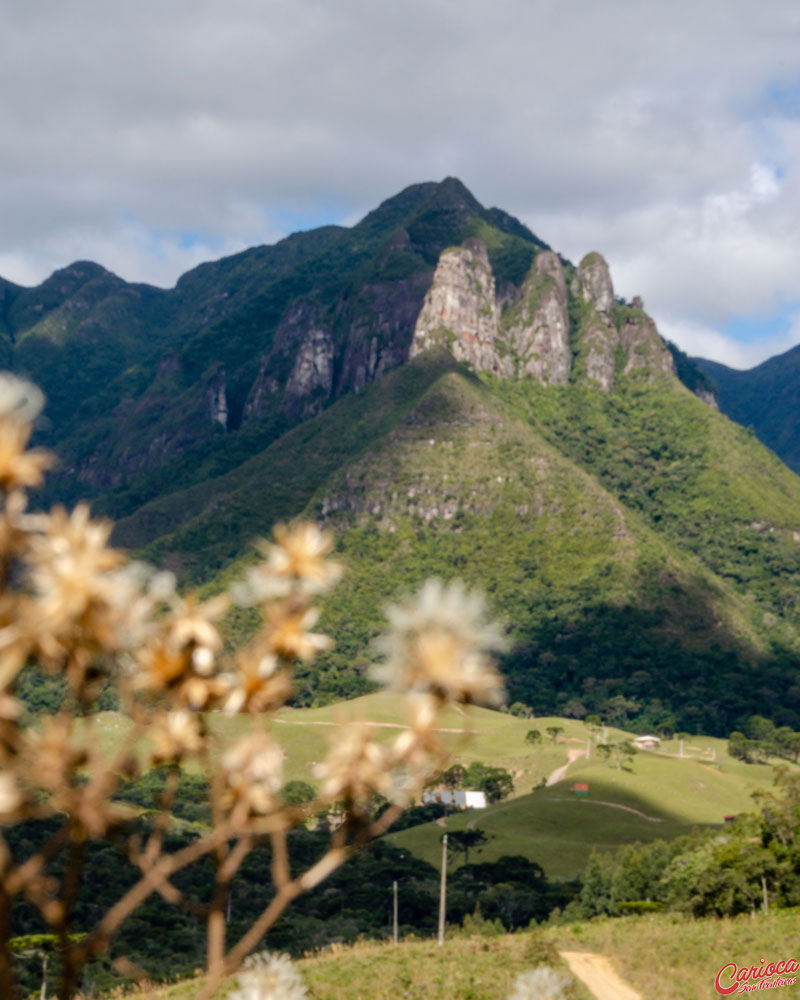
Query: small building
point(646, 742)
point(580, 788)
point(455, 797)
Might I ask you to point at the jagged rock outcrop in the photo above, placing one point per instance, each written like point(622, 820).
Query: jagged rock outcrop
point(535, 325)
point(598, 337)
point(595, 282)
point(216, 398)
point(460, 310)
point(708, 398)
point(311, 379)
point(613, 338)
point(644, 348)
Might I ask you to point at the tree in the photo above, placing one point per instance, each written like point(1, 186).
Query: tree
point(454, 776)
point(496, 782)
point(741, 748)
point(624, 752)
point(533, 736)
point(466, 841)
point(574, 709)
point(520, 710)
point(554, 732)
point(298, 793)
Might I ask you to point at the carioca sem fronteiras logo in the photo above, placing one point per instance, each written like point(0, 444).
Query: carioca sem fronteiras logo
point(749, 979)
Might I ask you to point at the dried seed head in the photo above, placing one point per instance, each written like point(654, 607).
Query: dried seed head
point(440, 643)
point(268, 977)
point(542, 983)
point(253, 772)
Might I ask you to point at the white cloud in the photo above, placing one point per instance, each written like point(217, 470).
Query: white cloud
point(641, 130)
point(701, 341)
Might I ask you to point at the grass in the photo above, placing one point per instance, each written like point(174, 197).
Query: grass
point(550, 826)
point(670, 957)
point(558, 830)
point(473, 968)
point(664, 957)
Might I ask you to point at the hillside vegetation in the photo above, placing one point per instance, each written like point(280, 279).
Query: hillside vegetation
point(642, 550)
point(664, 957)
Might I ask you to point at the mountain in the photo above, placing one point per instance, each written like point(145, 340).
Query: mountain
point(453, 398)
point(765, 398)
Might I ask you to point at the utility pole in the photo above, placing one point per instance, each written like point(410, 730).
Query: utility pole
point(681, 742)
point(443, 890)
point(588, 745)
point(394, 912)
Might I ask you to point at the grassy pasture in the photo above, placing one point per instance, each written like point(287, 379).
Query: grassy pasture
point(661, 796)
point(664, 957)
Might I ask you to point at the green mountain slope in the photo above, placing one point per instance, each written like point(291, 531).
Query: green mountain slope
point(141, 380)
point(621, 553)
point(643, 550)
point(766, 398)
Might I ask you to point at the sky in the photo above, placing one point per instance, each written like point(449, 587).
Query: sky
point(151, 136)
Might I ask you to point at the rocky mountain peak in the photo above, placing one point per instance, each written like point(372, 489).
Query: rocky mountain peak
point(460, 309)
point(594, 279)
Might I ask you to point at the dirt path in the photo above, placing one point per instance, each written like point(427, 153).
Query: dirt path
point(560, 772)
point(379, 725)
point(598, 976)
point(613, 805)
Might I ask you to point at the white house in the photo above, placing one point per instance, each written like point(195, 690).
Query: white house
point(457, 798)
point(646, 742)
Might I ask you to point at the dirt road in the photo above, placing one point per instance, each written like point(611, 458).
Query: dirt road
point(598, 976)
point(559, 772)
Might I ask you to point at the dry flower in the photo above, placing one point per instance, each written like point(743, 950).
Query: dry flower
point(268, 977)
point(253, 771)
point(356, 766)
point(258, 685)
point(10, 714)
point(20, 469)
point(50, 755)
point(176, 735)
point(11, 798)
point(295, 561)
point(542, 983)
point(287, 631)
point(180, 660)
point(440, 643)
point(20, 401)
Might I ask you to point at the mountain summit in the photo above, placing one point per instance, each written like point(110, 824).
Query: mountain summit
point(253, 343)
point(454, 398)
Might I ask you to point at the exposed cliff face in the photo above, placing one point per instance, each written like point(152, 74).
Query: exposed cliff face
point(614, 339)
point(533, 336)
point(311, 379)
point(598, 338)
point(644, 349)
point(378, 328)
point(595, 282)
point(217, 399)
point(460, 310)
point(535, 324)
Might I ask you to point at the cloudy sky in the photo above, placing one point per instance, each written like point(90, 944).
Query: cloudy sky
point(149, 136)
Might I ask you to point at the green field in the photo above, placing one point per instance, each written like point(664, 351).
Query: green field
point(664, 957)
point(659, 796)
